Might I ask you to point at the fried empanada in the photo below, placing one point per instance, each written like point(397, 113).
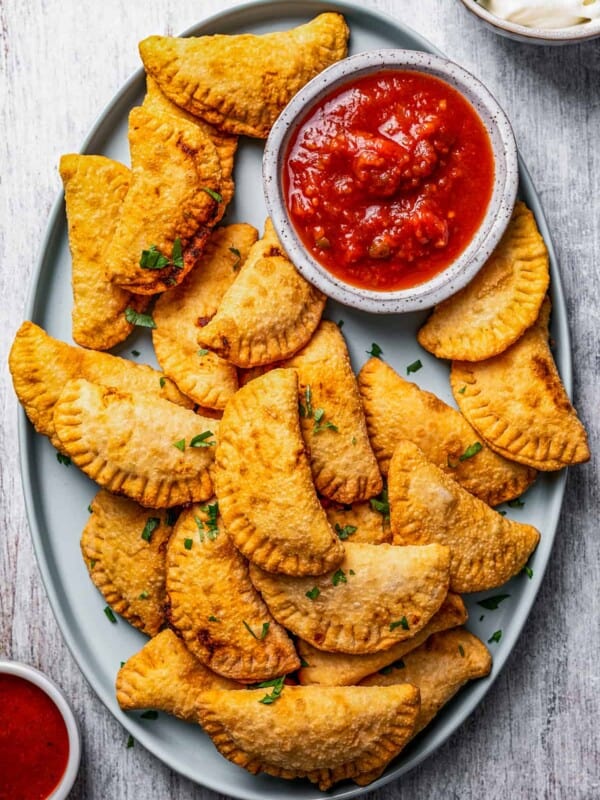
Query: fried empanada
point(95, 187)
point(501, 301)
point(427, 506)
point(380, 595)
point(397, 409)
point(241, 83)
point(439, 668)
point(342, 669)
point(263, 481)
point(139, 446)
point(323, 733)
point(41, 365)
point(343, 465)
point(214, 606)
point(124, 547)
point(158, 103)
point(517, 402)
point(202, 375)
point(165, 676)
point(359, 523)
point(270, 311)
point(171, 206)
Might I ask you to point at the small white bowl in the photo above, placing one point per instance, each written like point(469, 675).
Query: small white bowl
point(48, 686)
point(470, 261)
point(574, 34)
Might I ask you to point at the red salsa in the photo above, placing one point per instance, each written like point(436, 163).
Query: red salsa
point(388, 179)
point(34, 743)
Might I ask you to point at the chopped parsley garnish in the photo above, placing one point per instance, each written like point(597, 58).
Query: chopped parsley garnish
point(277, 684)
point(149, 714)
point(340, 323)
point(93, 563)
point(319, 424)
point(471, 451)
point(162, 382)
point(90, 509)
point(211, 526)
point(313, 593)
point(354, 440)
point(339, 576)
point(399, 623)
point(212, 618)
point(308, 398)
point(515, 503)
point(346, 531)
point(62, 459)
point(528, 571)
point(151, 525)
point(481, 618)
point(492, 603)
point(152, 258)
point(211, 193)
point(461, 650)
point(203, 351)
point(263, 633)
point(130, 741)
point(462, 391)
point(122, 664)
point(381, 503)
point(375, 350)
point(180, 445)
point(503, 513)
point(304, 663)
point(396, 665)
point(201, 440)
point(495, 637)
point(351, 572)
point(238, 258)
point(135, 353)
point(133, 317)
point(144, 595)
point(414, 367)
point(110, 614)
point(187, 543)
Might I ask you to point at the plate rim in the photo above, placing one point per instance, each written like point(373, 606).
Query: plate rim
point(26, 433)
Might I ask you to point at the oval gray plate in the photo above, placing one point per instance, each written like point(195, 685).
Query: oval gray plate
point(57, 497)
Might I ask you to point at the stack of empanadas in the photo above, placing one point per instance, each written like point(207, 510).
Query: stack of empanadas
point(272, 521)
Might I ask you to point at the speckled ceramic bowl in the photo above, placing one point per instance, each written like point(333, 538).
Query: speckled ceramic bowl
point(522, 33)
point(43, 682)
point(465, 267)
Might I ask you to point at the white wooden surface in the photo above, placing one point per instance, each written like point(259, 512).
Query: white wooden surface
point(536, 734)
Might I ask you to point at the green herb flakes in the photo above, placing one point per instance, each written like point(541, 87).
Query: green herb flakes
point(187, 543)
point(462, 391)
point(304, 663)
point(495, 637)
point(93, 563)
point(528, 571)
point(340, 323)
point(263, 633)
point(201, 440)
point(203, 351)
point(211, 193)
point(90, 509)
point(339, 576)
point(346, 531)
point(381, 503)
point(515, 503)
point(130, 741)
point(110, 614)
point(492, 603)
point(62, 459)
point(471, 451)
point(152, 258)
point(180, 445)
point(414, 367)
point(313, 593)
point(133, 317)
point(151, 525)
point(212, 618)
point(461, 650)
point(144, 595)
point(277, 685)
point(400, 623)
point(171, 517)
point(399, 664)
point(375, 350)
point(238, 258)
point(162, 382)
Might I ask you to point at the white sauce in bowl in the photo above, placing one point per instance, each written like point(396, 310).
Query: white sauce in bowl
point(547, 14)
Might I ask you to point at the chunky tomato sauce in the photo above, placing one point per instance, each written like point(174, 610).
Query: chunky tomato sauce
point(388, 179)
point(34, 743)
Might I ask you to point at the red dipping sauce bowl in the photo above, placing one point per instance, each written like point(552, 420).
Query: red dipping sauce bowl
point(40, 743)
point(390, 178)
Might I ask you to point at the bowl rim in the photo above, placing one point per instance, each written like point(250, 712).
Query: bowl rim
point(471, 260)
point(573, 34)
point(56, 694)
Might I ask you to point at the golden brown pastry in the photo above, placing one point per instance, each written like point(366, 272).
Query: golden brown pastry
point(158, 103)
point(165, 676)
point(41, 366)
point(214, 606)
point(270, 311)
point(124, 546)
point(486, 549)
point(439, 668)
point(379, 596)
point(333, 424)
point(359, 523)
point(172, 203)
point(241, 83)
point(95, 188)
point(263, 481)
point(397, 409)
point(153, 451)
point(501, 301)
point(323, 733)
point(518, 404)
point(342, 669)
point(202, 375)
